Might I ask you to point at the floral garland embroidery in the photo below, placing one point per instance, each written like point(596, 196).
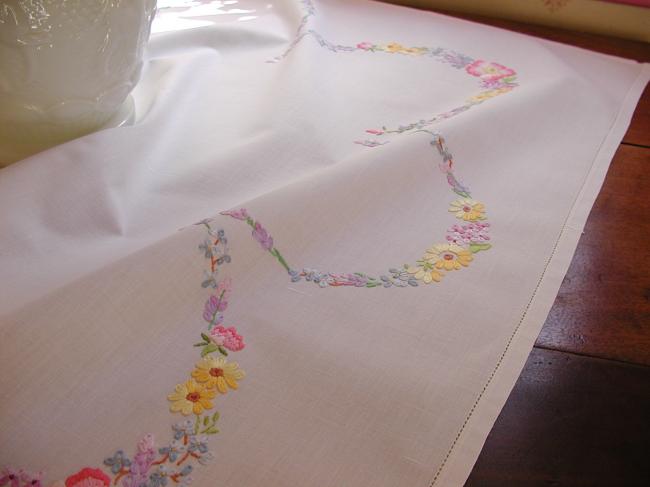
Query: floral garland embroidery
point(213, 376)
point(462, 242)
point(494, 78)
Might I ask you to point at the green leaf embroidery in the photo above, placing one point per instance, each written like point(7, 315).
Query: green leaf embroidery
point(211, 347)
point(476, 247)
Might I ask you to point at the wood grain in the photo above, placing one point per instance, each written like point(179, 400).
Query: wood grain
point(639, 51)
point(570, 421)
point(639, 131)
point(603, 307)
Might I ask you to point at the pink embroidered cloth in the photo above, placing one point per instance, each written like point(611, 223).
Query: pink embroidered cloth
point(320, 257)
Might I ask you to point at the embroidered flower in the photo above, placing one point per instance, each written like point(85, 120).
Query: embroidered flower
point(174, 450)
point(489, 71)
point(481, 97)
point(448, 256)
point(142, 462)
point(32, 479)
point(146, 443)
point(217, 302)
point(399, 278)
point(216, 372)
point(225, 288)
point(416, 50)
point(366, 46)
point(160, 477)
point(456, 59)
point(468, 209)
point(262, 236)
point(370, 143)
point(191, 397)
point(218, 234)
point(117, 462)
point(394, 47)
point(183, 428)
point(375, 131)
point(475, 232)
point(486, 95)
point(216, 338)
point(88, 477)
point(240, 214)
point(198, 445)
point(10, 477)
point(206, 248)
point(425, 272)
point(228, 337)
point(206, 458)
point(456, 185)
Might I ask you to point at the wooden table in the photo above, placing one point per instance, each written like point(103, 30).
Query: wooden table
point(579, 414)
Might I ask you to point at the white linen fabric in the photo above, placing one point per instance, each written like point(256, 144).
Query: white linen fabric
point(103, 283)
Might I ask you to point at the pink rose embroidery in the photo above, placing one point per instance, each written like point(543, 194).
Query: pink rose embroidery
point(228, 337)
point(364, 45)
point(489, 71)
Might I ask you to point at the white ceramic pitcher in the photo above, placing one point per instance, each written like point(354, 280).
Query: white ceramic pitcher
point(67, 68)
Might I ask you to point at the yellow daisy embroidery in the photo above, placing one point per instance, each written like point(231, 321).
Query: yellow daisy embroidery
point(449, 257)
point(394, 47)
point(425, 272)
point(218, 373)
point(191, 397)
point(468, 209)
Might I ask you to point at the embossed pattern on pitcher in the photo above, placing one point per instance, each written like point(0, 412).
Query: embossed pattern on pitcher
point(68, 65)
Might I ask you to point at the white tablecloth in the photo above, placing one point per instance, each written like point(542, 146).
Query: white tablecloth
point(406, 192)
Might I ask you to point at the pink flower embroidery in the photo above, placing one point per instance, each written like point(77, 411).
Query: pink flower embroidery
point(240, 214)
point(489, 71)
point(475, 232)
point(262, 236)
point(88, 477)
point(32, 479)
point(228, 337)
point(10, 477)
point(225, 287)
point(146, 443)
point(364, 45)
point(375, 131)
point(142, 463)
